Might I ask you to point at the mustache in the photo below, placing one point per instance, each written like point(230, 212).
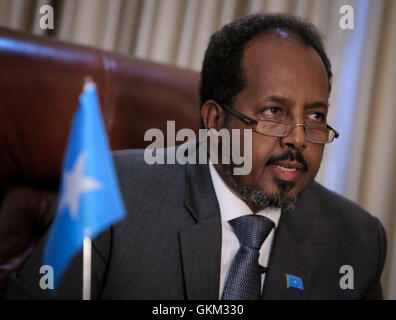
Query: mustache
point(289, 156)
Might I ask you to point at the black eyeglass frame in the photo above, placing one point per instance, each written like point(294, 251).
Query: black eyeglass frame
point(255, 122)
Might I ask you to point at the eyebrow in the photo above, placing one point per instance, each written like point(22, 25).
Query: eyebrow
point(317, 104)
point(278, 99)
point(286, 101)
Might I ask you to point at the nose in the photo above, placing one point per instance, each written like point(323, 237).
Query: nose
point(296, 139)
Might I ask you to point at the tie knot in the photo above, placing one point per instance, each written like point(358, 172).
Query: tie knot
point(252, 229)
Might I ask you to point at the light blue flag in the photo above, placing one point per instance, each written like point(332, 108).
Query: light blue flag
point(89, 198)
point(294, 282)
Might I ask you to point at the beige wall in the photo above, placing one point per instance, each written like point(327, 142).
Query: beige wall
point(177, 32)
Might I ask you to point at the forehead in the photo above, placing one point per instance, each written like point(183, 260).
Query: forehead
point(281, 64)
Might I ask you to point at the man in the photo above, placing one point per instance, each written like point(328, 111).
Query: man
point(201, 232)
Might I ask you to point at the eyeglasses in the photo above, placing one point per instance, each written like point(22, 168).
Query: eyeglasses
point(281, 128)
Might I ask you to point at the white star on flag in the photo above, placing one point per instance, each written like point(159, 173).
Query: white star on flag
point(75, 183)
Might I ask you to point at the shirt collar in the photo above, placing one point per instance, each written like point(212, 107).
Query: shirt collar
point(231, 205)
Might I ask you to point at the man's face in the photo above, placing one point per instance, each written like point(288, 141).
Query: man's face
point(281, 75)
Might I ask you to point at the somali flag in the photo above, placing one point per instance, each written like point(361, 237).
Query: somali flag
point(89, 198)
point(294, 282)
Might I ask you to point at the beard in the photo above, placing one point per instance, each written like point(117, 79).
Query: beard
point(260, 197)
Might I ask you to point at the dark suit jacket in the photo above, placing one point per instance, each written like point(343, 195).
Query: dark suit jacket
point(169, 244)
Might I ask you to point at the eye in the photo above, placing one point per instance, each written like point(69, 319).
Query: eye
point(317, 116)
point(273, 111)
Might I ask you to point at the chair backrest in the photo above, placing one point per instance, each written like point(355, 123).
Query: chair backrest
point(40, 82)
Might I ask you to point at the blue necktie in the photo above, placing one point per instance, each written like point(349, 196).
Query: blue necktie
point(244, 277)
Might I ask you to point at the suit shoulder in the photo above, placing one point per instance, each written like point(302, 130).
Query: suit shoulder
point(135, 173)
point(335, 202)
point(120, 156)
point(136, 160)
point(341, 212)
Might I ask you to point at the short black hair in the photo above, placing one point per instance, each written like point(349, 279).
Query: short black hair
point(221, 76)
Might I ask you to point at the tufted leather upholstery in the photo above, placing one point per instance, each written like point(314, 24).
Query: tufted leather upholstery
point(40, 81)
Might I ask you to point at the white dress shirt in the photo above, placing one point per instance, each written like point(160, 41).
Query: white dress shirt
point(231, 207)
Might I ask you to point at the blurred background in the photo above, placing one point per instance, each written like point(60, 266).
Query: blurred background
point(360, 165)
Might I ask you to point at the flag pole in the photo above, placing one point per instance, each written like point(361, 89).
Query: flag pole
point(87, 258)
point(87, 244)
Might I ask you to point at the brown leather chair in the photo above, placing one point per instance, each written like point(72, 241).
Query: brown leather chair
point(40, 82)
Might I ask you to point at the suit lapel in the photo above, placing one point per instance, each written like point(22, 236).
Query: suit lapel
point(201, 243)
point(288, 256)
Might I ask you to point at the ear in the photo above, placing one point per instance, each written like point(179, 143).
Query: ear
point(212, 115)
